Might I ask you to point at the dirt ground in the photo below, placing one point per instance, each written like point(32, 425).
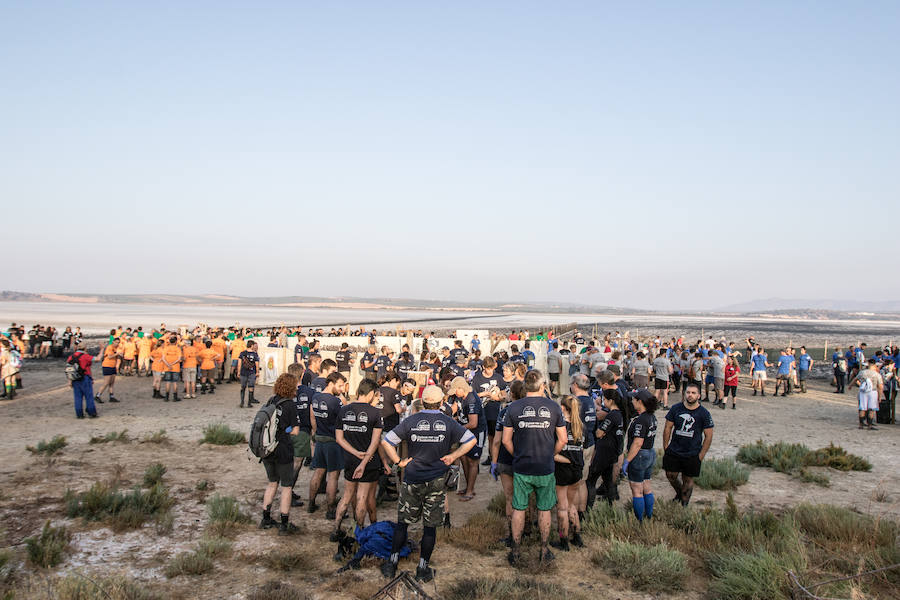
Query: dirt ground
point(32, 488)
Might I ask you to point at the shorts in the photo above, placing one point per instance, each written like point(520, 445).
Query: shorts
point(109, 371)
point(172, 376)
point(248, 380)
point(641, 381)
point(328, 456)
point(423, 501)
point(157, 375)
point(661, 384)
point(301, 445)
point(803, 375)
point(689, 466)
point(189, 375)
point(868, 400)
point(503, 469)
point(543, 486)
point(371, 473)
point(641, 468)
point(709, 378)
point(784, 377)
point(476, 450)
point(731, 389)
point(759, 376)
point(208, 373)
point(719, 383)
point(554, 376)
point(233, 362)
point(567, 474)
point(282, 474)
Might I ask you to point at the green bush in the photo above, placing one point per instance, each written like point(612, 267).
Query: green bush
point(123, 511)
point(225, 509)
point(220, 434)
point(839, 459)
point(793, 459)
point(112, 436)
point(47, 549)
point(188, 563)
point(158, 437)
point(481, 533)
point(154, 474)
point(517, 588)
point(748, 576)
point(653, 568)
point(722, 474)
point(49, 448)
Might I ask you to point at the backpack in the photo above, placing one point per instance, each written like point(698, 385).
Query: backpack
point(865, 385)
point(377, 540)
point(264, 428)
point(74, 372)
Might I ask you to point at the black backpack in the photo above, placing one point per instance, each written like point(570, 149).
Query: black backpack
point(263, 440)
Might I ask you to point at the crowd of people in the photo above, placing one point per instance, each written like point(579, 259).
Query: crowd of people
point(396, 435)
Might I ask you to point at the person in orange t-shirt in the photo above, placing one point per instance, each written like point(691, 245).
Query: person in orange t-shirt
point(144, 346)
point(238, 345)
point(207, 368)
point(171, 359)
point(158, 368)
point(129, 352)
point(218, 344)
point(189, 369)
point(111, 355)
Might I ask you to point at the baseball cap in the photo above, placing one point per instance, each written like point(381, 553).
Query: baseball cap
point(459, 384)
point(432, 395)
point(643, 394)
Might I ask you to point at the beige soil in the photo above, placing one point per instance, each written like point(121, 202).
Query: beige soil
point(33, 487)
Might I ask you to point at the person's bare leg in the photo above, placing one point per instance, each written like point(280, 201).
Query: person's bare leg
point(562, 512)
point(350, 489)
point(331, 488)
point(544, 526)
point(314, 482)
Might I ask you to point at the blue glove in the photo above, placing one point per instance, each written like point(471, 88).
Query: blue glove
point(494, 470)
point(287, 429)
point(625, 468)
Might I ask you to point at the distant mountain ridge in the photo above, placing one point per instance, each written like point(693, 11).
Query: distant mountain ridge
point(795, 304)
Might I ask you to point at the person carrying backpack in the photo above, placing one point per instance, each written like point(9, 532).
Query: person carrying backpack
point(78, 371)
point(279, 463)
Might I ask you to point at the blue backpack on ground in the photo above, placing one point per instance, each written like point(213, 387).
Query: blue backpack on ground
point(376, 540)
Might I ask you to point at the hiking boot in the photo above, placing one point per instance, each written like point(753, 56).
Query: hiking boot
point(446, 523)
point(330, 514)
point(548, 556)
point(174, 399)
point(560, 544)
point(424, 574)
point(388, 569)
point(514, 557)
point(312, 507)
point(98, 399)
point(577, 541)
point(267, 522)
point(296, 501)
point(113, 400)
point(337, 535)
point(93, 416)
point(241, 405)
point(287, 528)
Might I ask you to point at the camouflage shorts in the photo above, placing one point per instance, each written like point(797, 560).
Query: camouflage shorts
point(422, 501)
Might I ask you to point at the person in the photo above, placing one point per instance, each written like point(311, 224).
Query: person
point(189, 368)
point(249, 369)
point(534, 431)
point(554, 367)
point(367, 363)
point(640, 371)
point(638, 464)
point(391, 407)
point(157, 368)
point(568, 472)
point(326, 367)
point(109, 368)
point(219, 343)
point(785, 367)
point(359, 435)
point(279, 464)
point(344, 360)
point(732, 376)
point(471, 416)
point(760, 361)
point(662, 371)
point(129, 352)
point(608, 443)
point(501, 459)
point(302, 448)
point(83, 389)
point(839, 366)
point(171, 359)
point(328, 459)
point(528, 356)
point(716, 376)
point(804, 365)
point(429, 436)
point(238, 345)
point(207, 357)
point(871, 390)
point(687, 437)
point(484, 383)
point(579, 387)
point(383, 363)
point(145, 347)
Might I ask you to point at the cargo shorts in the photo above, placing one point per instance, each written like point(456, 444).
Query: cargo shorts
point(423, 501)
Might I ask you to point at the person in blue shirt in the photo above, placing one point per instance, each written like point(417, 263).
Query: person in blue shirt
point(328, 458)
point(804, 365)
point(528, 355)
point(785, 369)
point(475, 343)
point(759, 363)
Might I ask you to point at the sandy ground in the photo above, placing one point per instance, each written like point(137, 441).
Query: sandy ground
point(33, 487)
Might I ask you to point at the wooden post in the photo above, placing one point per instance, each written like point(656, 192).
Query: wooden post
point(825, 354)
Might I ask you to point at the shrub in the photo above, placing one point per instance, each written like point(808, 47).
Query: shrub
point(188, 563)
point(154, 474)
point(47, 549)
point(50, 448)
point(225, 514)
point(839, 459)
point(202, 485)
point(123, 511)
point(158, 437)
point(748, 576)
point(722, 474)
point(76, 587)
point(112, 436)
point(481, 533)
point(214, 547)
point(807, 476)
point(497, 504)
point(493, 588)
point(288, 560)
point(654, 568)
point(221, 434)
point(276, 590)
point(793, 459)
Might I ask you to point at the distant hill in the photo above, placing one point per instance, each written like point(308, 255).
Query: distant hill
point(788, 304)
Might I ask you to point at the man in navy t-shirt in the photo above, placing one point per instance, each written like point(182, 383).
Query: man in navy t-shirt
point(429, 435)
point(328, 458)
point(686, 440)
point(534, 431)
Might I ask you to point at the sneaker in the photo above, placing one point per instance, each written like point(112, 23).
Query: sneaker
point(424, 574)
point(312, 507)
point(113, 400)
point(93, 416)
point(337, 535)
point(447, 521)
point(331, 514)
point(560, 544)
point(873, 428)
point(287, 528)
point(98, 399)
point(577, 541)
point(547, 557)
point(388, 569)
point(733, 406)
point(176, 399)
point(82, 416)
point(514, 558)
point(297, 502)
point(267, 522)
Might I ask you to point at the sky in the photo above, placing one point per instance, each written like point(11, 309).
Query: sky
point(652, 155)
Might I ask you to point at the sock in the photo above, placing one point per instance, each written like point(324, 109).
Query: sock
point(423, 564)
point(267, 512)
point(648, 505)
point(580, 516)
point(284, 519)
point(637, 505)
point(400, 530)
point(862, 420)
point(868, 420)
point(243, 391)
point(429, 536)
point(251, 395)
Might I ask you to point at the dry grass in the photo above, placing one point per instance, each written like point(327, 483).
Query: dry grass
point(655, 568)
point(276, 590)
point(359, 586)
point(481, 533)
point(75, 586)
point(47, 549)
point(794, 460)
point(50, 448)
point(154, 474)
point(112, 436)
point(517, 588)
point(158, 437)
point(225, 515)
point(298, 561)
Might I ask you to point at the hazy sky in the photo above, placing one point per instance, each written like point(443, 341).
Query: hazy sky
point(655, 155)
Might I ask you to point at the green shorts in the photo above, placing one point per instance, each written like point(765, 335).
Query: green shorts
point(301, 445)
point(543, 486)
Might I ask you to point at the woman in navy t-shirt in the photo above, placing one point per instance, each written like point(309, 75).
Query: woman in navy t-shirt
point(638, 465)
